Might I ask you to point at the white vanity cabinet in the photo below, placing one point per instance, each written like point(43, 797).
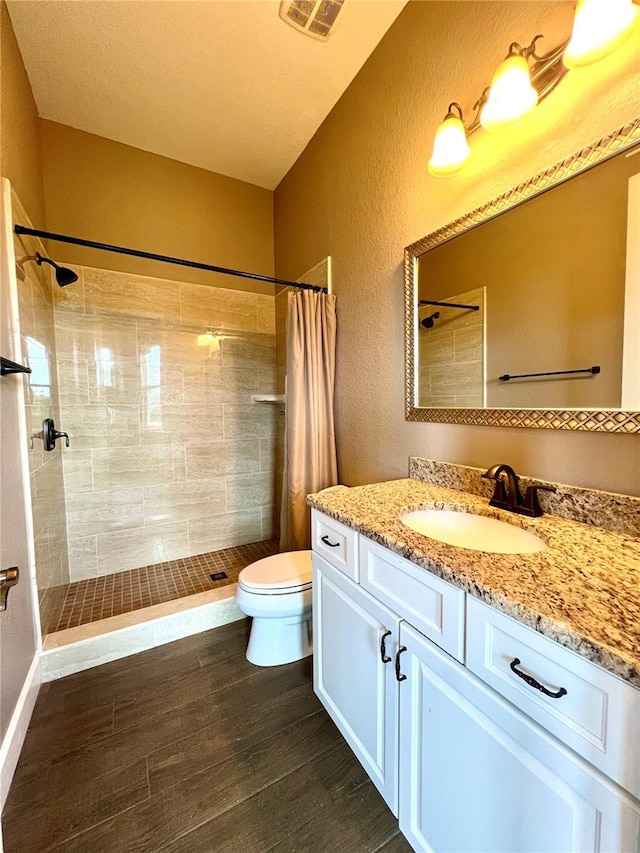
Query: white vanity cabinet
point(464, 765)
point(476, 774)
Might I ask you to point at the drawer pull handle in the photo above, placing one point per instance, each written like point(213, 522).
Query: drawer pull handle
point(384, 657)
point(531, 681)
point(399, 675)
point(326, 541)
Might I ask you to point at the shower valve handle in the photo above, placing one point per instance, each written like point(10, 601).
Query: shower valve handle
point(64, 435)
point(50, 434)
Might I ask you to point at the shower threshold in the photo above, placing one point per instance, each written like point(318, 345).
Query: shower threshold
point(102, 597)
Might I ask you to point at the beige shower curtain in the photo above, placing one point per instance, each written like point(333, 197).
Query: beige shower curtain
point(310, 462)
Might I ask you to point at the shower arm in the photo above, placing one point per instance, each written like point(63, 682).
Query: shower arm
point(136, 253)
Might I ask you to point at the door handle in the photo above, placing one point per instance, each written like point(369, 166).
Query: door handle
point(8, 578)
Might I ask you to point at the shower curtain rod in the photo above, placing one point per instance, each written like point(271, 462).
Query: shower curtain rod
point(121, 250)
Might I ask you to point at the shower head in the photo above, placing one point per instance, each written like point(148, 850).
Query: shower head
point(64, 276)
point(429, 321)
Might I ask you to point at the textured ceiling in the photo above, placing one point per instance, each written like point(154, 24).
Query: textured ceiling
point(221, 84)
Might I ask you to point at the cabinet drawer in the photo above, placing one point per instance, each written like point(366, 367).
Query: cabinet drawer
point(433, 606)
point(598, 716)
point(336, 542)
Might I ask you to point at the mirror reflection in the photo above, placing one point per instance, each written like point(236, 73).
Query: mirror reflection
point(550, 287)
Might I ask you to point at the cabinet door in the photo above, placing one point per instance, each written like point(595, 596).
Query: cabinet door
point(358, 690)
point(478, 775)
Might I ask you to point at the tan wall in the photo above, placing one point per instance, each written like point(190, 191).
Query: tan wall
point(105, 191)
point(361, 192)
point(20, 138)
point(169, 456)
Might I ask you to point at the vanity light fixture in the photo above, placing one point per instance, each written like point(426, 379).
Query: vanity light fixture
point(524, 78)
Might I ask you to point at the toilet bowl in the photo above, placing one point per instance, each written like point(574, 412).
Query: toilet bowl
point(276, 592)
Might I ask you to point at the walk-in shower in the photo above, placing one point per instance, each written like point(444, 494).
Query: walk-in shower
point(167, 389)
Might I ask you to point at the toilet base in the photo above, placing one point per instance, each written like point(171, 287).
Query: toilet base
point(273, 642)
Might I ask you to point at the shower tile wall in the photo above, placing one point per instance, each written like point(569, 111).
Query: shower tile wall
point(451, 354)
point(281, 338)
point(35, 309)
point(169, 457)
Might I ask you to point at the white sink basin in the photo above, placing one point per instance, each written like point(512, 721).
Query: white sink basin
point(476, 532)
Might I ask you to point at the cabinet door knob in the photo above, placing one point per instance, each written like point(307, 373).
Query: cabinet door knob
point(328, 542)
point(399, 675)
point(532, 682)
point(384, 657)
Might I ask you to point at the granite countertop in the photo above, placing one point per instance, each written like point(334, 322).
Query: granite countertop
point(583, 590)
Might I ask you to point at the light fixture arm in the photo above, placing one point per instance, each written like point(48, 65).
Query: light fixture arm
point(450, 112)
point(529, 50)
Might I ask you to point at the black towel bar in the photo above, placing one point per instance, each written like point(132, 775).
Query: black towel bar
point(7, 367)
point(507, 377)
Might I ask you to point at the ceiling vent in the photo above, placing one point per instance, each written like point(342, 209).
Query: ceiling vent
point(316, 18)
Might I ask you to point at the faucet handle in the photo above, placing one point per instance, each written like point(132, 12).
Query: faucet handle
point(500, 491)
point(531, 498)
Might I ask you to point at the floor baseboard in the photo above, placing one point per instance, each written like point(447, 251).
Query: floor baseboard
point(17, 728)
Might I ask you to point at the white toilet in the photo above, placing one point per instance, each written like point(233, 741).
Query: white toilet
point(276, 592)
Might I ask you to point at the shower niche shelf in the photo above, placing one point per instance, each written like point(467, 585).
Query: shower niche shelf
point(268, 398)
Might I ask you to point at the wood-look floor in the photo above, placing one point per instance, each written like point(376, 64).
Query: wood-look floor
point(188, 747)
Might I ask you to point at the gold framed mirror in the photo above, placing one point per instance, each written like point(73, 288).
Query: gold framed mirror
point(461, 313)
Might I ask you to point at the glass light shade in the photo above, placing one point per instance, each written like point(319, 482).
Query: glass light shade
point(450, 148)
point(511, 95)
point(599, 27)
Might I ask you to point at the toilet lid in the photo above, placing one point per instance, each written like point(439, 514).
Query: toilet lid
point(291, 569)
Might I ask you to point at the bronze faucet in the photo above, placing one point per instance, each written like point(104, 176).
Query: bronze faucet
point(507, 493)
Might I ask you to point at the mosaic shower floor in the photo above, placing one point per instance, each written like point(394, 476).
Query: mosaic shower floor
point(111, 595)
